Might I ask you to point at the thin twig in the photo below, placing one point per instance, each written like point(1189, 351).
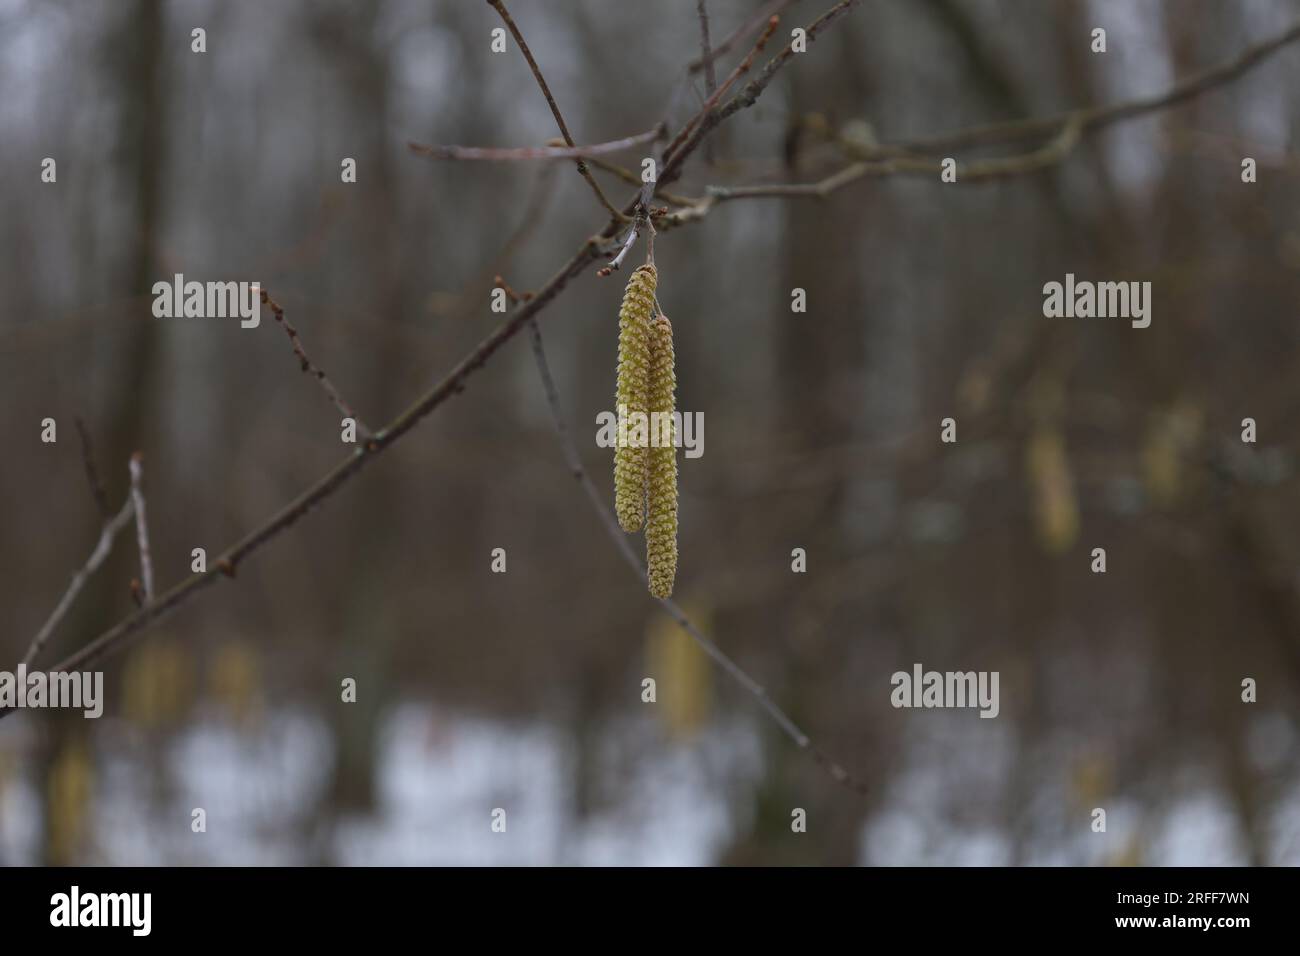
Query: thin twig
point(706, 55)
point(671, 608)
point(741, 68)
point(310, 368)
point(512, 294)
point(507, 153)
point(710, 77)
point(531, 216)
point(707, 120)
point(227, 564)
point(92, 473)
point(632, 179)
point(141, 525)
point(97, 556)
point(500, 8)
point(628, 243)
point(745, 29)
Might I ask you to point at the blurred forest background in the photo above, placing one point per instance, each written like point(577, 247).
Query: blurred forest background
point(522, 690)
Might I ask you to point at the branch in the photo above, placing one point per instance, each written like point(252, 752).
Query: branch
point(610, 523)
point(706, 56)
point(741, 68)
point(500, 8)
point(520, 153)
point(308, 366)
point(97, 557)
point(141, 525)
point(747, 96)
point(514, 295)
point(1096, 117)
point(227, 564)
point(632, 179)
point(745, 29)
point(977, 171)
point(710, 79)
point(902, 157)
point(628, 243)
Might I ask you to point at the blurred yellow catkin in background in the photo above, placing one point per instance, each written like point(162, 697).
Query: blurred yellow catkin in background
point(681, 672)
point(1129, 853)
point(71, 781)
point(1171, 435)
point(234, 681)
point(1056, 509)
point(156, 683)
point(1092, 779)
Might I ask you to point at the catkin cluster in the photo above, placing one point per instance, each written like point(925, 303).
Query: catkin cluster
point(645, 456)
point(632, 396)
point(661, 485)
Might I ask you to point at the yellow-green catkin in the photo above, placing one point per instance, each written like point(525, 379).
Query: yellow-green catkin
point(661, 522)
point(630, 465)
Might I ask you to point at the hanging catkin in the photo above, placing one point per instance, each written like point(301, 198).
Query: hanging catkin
point(661, 523)
point(631, 396)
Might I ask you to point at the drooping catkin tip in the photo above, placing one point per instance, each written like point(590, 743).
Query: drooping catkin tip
point(631, 396)
point(661, 520)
